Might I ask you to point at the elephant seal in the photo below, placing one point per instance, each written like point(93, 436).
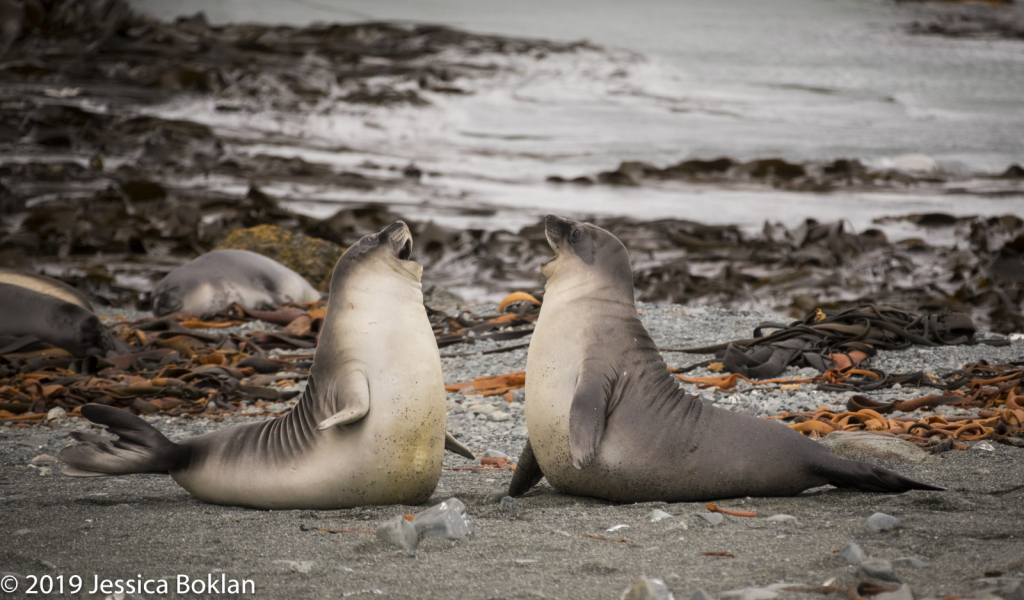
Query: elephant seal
point(218, 278)
point(607, 419)
point(369, 429)
point(45, 285)
point(26, 312)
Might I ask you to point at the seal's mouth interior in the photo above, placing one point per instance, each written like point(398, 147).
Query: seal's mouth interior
point(406, 252)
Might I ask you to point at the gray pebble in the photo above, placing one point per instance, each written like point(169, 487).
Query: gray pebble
point(713, 518)
point(42, 459)
point(509, 503)
point(701, 595)
point(298, 566)
point(903, 593)
point(494, 454)
point(877, 568)
point(880, 522)
point(647, 588)
point(781, 519)
point(852, 553)
point(496, 496)
point(658, 515)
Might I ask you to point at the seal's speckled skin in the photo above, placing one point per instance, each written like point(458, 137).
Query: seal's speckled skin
point(607, 419)
point(369, 429)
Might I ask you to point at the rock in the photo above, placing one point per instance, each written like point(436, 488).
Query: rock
point(298, 566)
point(880, 522)
point(496, 496)
point(903, 593)
point(877, 568)
point(42, 459)
point(913, 561)
point(984, 445)
point(310, 257)
point(22, 531)
point(438, 297)
point(498, 416)
point(400, 532)
point(658, 515)
point(447, 520)
point(701, 595)
point(510, 504)
point(757, 593)
point(712, 518)
point(56, 413)
point(647, 588)
point(781, 519)
point(494, 454)
point(852, 553)
point(861, 444)
point(45, 471)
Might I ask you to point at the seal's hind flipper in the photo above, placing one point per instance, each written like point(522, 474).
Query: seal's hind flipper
point(348, 396)
point(868, 478)
point(527, 473)
point(454, 445)
point(589, 411)
point(138, 447)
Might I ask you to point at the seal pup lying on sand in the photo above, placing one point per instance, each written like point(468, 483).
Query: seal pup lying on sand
point(606, 418)
point(26, 312)
point(218, 278)
point(369, 429)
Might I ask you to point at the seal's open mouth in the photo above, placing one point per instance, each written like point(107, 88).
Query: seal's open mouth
point(406, 250)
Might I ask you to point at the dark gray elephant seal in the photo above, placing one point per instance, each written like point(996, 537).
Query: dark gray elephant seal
point(606, 418)
point(25, 312)
point(216, 279)
point(45, 285)
point(369, 429)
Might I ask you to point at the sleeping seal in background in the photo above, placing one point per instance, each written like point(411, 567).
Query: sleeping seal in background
point(218, 278)
point(369, 429)
point(26, 312)
point(606, 418)
point(45, 285)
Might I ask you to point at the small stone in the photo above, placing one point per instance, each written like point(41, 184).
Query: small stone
point(877, 568)
point(45, 471)
point(510, 504)
point(56, 413)
point(913, 561)
point(494, 454)
point(984, 445)
point(781, 519)
point(712, 518)
point(647, 588)
point(903, 593)
point(22, 531)
point(658, 515)
point(498, 416)
point(880, 522)
point(399, 531)
point(447, 520)
point(496, 496)
point(852, 553)
point(299, 566)
point(701, 595)
point(42, 459)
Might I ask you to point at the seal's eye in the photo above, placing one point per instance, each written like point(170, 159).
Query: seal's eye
point(576, 235)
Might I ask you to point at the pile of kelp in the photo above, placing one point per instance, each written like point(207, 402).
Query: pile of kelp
point(181, 365)
point(910, 172)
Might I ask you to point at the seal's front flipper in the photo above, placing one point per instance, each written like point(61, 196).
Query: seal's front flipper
point(527, 473)
point(349, 395)
point(454, 445)
point(869, 478)
point(589, 411)
point(138, 447)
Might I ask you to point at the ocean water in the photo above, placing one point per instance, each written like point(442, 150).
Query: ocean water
point(797, 79)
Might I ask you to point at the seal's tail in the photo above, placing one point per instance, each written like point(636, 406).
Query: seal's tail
point(868, 478)
point(138, 447)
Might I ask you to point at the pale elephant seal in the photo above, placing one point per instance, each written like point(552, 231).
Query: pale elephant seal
point(218, 278)
point(45, 285)
point(369, 429)
point(25, 312)
point(607, 419)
